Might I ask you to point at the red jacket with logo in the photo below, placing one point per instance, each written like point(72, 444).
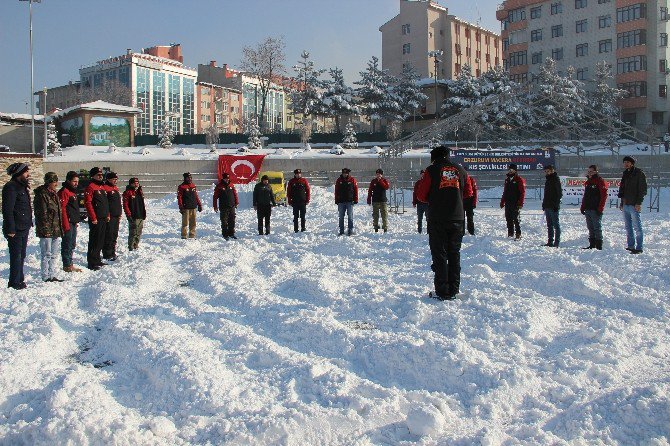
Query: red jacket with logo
point(95, 201)
point(515, 188)
point(472, 191)
point(187, 196)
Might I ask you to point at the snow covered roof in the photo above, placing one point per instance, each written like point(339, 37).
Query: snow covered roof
point(98, 106)
point(18, 117)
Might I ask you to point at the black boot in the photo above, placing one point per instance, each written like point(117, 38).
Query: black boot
point(599, 245)
point(592, 244)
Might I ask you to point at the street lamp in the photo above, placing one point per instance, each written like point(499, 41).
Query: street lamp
point(32, 78)
point(44, 117)
point(435, 54)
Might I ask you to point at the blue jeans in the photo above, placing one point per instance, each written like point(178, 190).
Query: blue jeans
point(49, 247)
point(633, 222)
point(67, 247)
point(553, 227)
point(594, 222)
point(17, 255)
point(421, 210)
point(347, 207)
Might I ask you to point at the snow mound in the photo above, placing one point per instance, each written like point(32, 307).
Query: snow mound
point(337, 150)
point(162, 427)
point(425, 421)
point(280, 151)
point(307, 147)
point(112, 149)
point(376, 149)
point(144, 151)
point(183, 152)
point(244, 149)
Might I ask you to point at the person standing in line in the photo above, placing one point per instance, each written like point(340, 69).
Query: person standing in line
point(632, 191)
point(346, 196)
point(48, 225)
point(593, 205)
point(298, 195)
point(17, 219)
point(263, 200)
point(378, 199)
point(443, 188)
point(115, 212)
point(97, 207)
point(551, 205)
point(470, 203)
point(69, 202)
point(512, 200)
point(188, 201)
point(225, 199)
point(135, 210)
point(421, 207)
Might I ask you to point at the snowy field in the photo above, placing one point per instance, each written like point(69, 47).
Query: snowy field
point(313, 339)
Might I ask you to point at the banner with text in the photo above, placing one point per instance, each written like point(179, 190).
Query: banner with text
point(243, 169)
point(573, 187)
point(485, 160)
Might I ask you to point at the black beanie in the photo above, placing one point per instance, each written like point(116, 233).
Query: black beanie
point(71, 175)
point(16, 169)
point(512, 166)
point(93, 172)
point(629, 158)
point(439, 153)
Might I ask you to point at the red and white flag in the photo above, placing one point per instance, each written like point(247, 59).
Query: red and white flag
point(243, 169)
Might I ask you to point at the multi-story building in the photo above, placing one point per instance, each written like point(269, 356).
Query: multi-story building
point(220, 106)
point(630, 35)
point(437, 44)
point(158, 83)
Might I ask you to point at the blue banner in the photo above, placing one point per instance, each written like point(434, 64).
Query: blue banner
point(484, 160)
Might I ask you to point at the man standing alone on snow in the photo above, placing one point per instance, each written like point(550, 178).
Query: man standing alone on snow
point(377, 198)
point(346, 196)
point(48, 225)
point(443, 188)
point(264, 200)
point(189, 201)
point(97, 207)
point(551, 204)
point(298, 195)
point(17, 219)
point(225, 199)
point(136, 213)
point(115, 212)
point(69, 202)
point(632, 191)
point(593, 205)
point(512, 200)
point(421, 207)
point(470, 203)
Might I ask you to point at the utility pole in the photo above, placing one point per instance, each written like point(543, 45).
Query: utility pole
point(435, 54)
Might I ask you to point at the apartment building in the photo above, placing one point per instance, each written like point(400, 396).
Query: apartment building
point(630, 35)
point(220, 106)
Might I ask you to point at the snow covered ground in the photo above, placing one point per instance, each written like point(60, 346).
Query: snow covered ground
point(314, 339)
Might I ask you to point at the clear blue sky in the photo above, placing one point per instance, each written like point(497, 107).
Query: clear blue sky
point(70, 33)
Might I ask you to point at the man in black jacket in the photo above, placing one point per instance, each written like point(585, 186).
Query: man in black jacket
point(443, 187)
point(17, 219)
point(632, 191)
point(264, 200)
point(551, 204)
point(115, 212)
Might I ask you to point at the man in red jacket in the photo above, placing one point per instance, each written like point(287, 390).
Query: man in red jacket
point(421, 207)
point(97, 207)
point(470, 203)
point(135, 210)
point(346, 196)
point(70, 205)
point(225, 199)
point(512, 200)
point(593, 205)
point(298, 195)
point(115, 212)
point(377, 198)
point(189, 201)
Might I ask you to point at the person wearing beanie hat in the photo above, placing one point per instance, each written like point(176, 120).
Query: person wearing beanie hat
point(551, 205)
point(632, 190)
point(115, 212)
point(377, 198)
point(225, 199)
point(188, 201)
point(421, 207)
point(48, 225)
point(443, 187)
point(17, 219)
point(135, 210)
point(263, 201)
point(514, 195)
point(97, 208)
point(346, 196)
point(593, 205)
point(439, 153)
point(69, 202)
point(298, 195)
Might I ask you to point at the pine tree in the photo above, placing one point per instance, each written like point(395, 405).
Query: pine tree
point(166, 134)
point(306, 98)
point(338, 98)
point(212, 137)
point(462, 92)
point(374, 93)
point(350, 141)
point(563, 99)
point(254, 133)
point(408, 92)
point(604, 98)
point(504, 108)
point(53, 145)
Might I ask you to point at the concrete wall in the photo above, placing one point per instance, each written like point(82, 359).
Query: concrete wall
point(34, 161)
point(18, 137)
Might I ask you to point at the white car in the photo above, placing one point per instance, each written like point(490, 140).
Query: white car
point(4, 148)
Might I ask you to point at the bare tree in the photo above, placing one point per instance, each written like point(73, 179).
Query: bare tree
point(265, 61)
point(109, 91)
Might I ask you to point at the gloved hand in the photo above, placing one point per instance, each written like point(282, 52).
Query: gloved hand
point(502, 205)
point(199, 208)
point(355, 202)
point(583, 212)
point(181, 211)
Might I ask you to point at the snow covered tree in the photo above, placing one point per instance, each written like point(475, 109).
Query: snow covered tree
point(462, 92)
point(254, 133)
point(338, 98)
point(408, 92)
point(350, 141)
point(604, 98)
point(212, 136)
point(561, 98)
point(53, 145)
point(306, 97)
point(166, 134)
point(377, 100)
point(504, 107)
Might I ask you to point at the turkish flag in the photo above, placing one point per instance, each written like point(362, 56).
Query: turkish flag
point(243, 169)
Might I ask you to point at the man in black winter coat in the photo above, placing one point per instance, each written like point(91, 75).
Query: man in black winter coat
point(632, 191)
point(17, 219)
point(115, 212)
point(264, 200)
point(551, 204)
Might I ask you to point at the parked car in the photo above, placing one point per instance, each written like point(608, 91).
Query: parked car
point(4, 148)
point(276, 181)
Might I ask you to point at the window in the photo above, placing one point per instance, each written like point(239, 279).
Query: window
point(517, 15)
point(582, 50)
point(536, 58)
point(662, 91)
point(536, 35)
point(582, 73)
point(406, 48)
point(556, 8)
point(557, 53)
point(631, 38)
point(557, 31)
point(579, 4)
point(663, 40)
point(664, 13)
point(662, 66)
point(634, 89)
point(536, 12)
point(458, 48)
point(505, 44)
point(604, 21)
point(600, 2)
point(657, 118)
point(631, 64)
point(405, 29)
point(518, 37)
point(632, 12)
point(519, 78)
point(518, 58)
point(581, 26)
point(605, 46)
point(629, 118)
